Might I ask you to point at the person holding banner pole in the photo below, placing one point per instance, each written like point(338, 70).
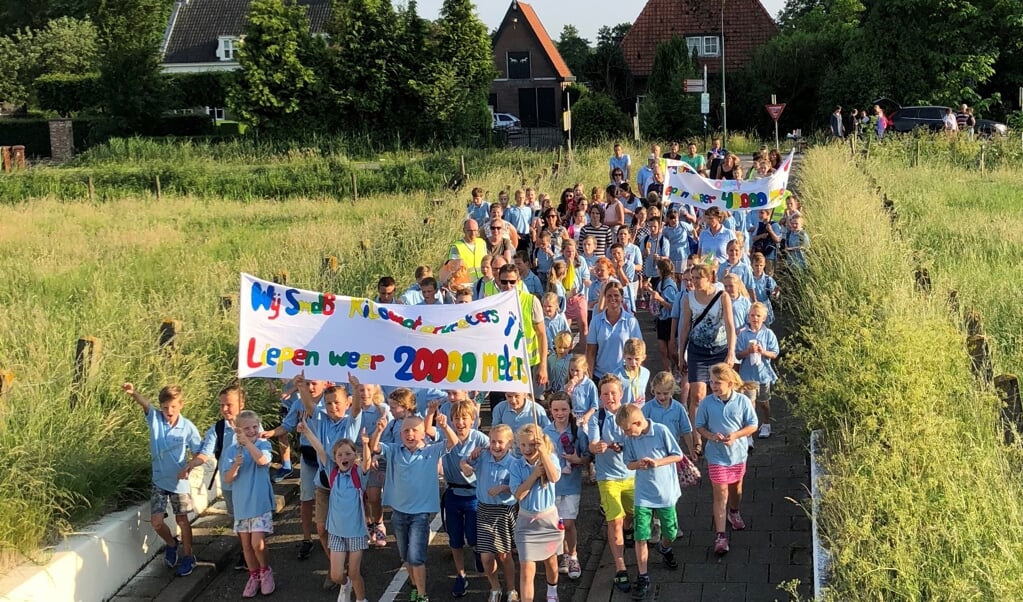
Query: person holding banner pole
point(533, 327)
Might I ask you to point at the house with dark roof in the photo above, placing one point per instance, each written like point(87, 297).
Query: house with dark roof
point(532, 76)
point(203, 35)
point(747, 25)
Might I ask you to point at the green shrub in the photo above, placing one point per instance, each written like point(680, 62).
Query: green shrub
point(67, 93)
point(596, 117)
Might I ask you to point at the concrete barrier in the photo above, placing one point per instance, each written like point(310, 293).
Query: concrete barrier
point(95, 562)
point(821, 556)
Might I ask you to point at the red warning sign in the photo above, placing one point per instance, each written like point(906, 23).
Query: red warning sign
point(775, 110)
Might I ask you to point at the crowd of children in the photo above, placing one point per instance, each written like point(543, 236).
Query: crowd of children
point(517, 489)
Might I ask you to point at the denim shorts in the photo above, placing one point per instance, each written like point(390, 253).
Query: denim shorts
point(460, 519)
point(412, 533)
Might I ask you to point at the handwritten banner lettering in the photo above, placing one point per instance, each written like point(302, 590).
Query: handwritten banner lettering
point(683, 185)
point(472, 346)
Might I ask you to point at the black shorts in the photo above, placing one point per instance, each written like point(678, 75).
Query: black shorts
point(664, 330)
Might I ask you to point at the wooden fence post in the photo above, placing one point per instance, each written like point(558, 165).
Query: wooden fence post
point(461, 168)
point(953, 301)
point(281, 278)
point(355, 188)
point(923, 280)
point(974, 325)
point(87, 351)
point(158, 191)
point(6, 381)
point(228, 301)
point(1007, 386)
point(169, 331)
point(980, 356)
point(92, 190)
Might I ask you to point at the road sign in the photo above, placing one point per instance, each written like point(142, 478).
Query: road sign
point(693, 85)
point(705, 103)
point(775, 110)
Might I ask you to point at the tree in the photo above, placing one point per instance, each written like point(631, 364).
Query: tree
point(67, 93)
point(574, 49)
point(464, 69)
point(132, 83)
point(273, 78)
point(668, 111)
point(64, 45)
point(596, 117)
point(607, 71)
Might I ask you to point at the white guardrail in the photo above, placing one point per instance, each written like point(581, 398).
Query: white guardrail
point(818, 480)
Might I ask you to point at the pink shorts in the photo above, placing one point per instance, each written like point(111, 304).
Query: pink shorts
point(726, 475)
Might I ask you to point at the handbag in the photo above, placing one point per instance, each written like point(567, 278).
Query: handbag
point(688, 474)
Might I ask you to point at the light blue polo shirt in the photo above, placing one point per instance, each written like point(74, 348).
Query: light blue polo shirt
point(491, 472)
point(291, 421)
point(371, 414)
point(519, 217)
point(424, 395)
point(725, 417)
point(539, 498)
point(570, 483)
point(655, 487)
point(659, 245)
point(346, 516)
point(742, 270)
point(450, 462)
point(675, 417)
point(609, 465)
point(330, 432)
point(504, 414)
point(716, 243)
point(410, 485)
point(584, 397)
point(533, 284)
point(610, 340)
point(555, 325)
point(167, 446)
point(253, 493)
point(633, 389)
point(668, 289)
point(481, 214)
point(763, 373)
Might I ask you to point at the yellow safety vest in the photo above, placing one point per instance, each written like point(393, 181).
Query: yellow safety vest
point(472, 257)
point(528, 328)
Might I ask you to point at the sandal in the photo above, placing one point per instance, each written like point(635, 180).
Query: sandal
point(621, 581)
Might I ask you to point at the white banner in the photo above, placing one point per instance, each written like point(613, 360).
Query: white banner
point(475, 346)
point(683, 185)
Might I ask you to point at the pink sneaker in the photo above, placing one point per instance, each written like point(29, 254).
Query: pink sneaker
point(721, 544)
point(267, 585)
point(735, 520)
point(251, 586)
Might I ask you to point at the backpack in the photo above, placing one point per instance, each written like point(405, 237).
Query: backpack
point(329, 483)
point(218, 448)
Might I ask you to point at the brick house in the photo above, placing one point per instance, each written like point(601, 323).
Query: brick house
point(747, 26)
point(532, 76)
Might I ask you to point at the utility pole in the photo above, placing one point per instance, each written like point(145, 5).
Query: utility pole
point(724, 104)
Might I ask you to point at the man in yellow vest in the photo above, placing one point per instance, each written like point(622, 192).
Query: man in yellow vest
point(471, 249)
point(533, 328)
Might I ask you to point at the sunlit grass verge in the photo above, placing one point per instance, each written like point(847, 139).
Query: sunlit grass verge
point(922, 500)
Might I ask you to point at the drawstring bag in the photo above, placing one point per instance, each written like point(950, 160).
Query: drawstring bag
point(688, 474)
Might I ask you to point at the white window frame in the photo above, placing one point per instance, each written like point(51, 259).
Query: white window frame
point(705, 46)
point(227, 48)
point(217, 113)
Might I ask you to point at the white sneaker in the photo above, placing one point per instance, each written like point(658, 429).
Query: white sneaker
point(345, 595)
point(765, 431)
point(495, 596)
point(563, 565)
point(512, 596)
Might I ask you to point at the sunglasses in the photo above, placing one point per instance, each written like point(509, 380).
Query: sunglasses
point(503, 281)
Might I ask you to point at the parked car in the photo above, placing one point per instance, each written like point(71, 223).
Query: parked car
point(989, 128)
point(507, 122)
point(907, 119)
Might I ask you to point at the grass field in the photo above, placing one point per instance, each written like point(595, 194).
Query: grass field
point(922, 499)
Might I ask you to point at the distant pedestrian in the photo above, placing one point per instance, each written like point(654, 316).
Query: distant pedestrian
point(837, 127)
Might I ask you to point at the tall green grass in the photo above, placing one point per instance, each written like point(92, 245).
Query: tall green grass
point(922, 500)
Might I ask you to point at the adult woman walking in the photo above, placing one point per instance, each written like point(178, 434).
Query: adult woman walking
point(605, 345)
point(706, 335)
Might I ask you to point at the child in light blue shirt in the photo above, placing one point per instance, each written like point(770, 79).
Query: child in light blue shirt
point(652, 451)
point(171, 437)
point(632, 372)
point(571, 444)
point(581, 390)
point(538, 534)
point(553, 317)
point(755, 347)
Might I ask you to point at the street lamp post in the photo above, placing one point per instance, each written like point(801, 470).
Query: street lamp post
point(724, 107)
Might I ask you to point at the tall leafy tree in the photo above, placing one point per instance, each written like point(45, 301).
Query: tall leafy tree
point(607, 71)
point(668, 111)
point(574, 49)
point(465, 68)
point(273, 79)
point(64, 45)
point(133, 86)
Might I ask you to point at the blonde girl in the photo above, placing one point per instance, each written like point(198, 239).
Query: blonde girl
point(740, 299)
point(538, 534)
point(724, 419)
point(346, 522)
point(571, 445)
point(495, 510)
point(581, 390)
point(247, 470)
